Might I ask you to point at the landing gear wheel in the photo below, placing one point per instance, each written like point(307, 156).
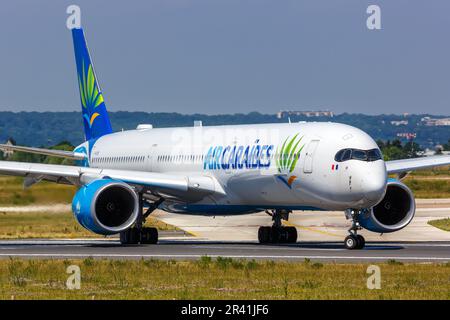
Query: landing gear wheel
point(361, 241)
point(277, 235)
point(292, 234)
point(264, 234)
point(351, 242)
point(354, 240)
point(138, 233)
point(130, 236)
point(149, 236)
point(284, 234)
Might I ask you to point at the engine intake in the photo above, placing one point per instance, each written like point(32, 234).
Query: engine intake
point(106, 206)
point(394, 212)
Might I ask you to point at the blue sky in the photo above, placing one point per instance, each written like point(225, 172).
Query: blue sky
point(227, 56)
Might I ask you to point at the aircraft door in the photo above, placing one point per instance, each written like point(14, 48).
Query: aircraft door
point(309, 156)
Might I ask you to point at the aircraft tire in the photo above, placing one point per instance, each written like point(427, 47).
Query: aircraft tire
point(351, 242)
point(361, 242)
point(291, 234)
point(130, 236)
point(264, 234)
point(149, 236)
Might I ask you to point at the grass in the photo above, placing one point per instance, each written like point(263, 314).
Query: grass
point(16, 225)
point(23, 225)
point(426, 189)
point(13, 193)
point(222, 278)
point(438, 171)
point(429, 184)
point(443, 224)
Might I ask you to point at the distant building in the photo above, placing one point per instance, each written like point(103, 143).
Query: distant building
point(432, 122)
point(407, 135)
point(288, 113)
point(400, 123)
point(9, 153)
point(433, 151)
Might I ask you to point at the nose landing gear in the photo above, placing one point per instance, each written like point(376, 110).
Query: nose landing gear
point(354, 240)
point(277, 233)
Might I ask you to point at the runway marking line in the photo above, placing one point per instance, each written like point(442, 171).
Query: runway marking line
point(279, 248)
point(82, 255)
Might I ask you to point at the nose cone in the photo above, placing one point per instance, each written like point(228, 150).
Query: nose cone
point(374, 182)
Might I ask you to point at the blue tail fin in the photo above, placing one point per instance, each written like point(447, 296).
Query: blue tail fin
point(95, 117)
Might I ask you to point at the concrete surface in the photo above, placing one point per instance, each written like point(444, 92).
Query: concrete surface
point(311, 225)
point(193, 249)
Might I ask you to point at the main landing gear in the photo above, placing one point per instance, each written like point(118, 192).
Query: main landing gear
point(354, 240)
point(138, 233)
point(277, 233)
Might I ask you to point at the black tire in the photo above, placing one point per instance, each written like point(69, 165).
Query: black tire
point(277, 235)
point(264, 234)
point(351, 242)
point(292, 234)
point(361, 241)
point(149, 236)
point(130, 236)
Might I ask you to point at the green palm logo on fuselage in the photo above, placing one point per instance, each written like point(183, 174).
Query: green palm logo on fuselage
point(287, 158)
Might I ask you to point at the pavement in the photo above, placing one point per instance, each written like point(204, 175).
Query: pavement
point(186, 249)
point(311, 225)
point(321, 237)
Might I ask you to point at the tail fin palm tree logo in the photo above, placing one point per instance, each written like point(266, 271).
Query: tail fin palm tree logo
point(91, 97)
point(287, 159)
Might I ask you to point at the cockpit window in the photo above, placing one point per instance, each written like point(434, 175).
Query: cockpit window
point(357, 154)
point(374, 154)
point(346, 155)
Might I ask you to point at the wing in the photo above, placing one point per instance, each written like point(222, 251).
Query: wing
point(47, 152)
point(181, 187)
point(405, 165)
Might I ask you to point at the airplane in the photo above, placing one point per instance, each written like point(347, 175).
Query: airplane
point(122, 177)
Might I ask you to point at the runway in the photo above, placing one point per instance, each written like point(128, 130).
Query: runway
point(311, 225)
point(321, 236)
point(187, 249)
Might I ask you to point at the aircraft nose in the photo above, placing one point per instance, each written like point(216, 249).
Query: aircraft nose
point(374, 183)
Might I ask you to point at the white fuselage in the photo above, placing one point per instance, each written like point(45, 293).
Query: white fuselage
point(255, 165)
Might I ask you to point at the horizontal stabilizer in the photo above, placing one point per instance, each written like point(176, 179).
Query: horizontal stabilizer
point(47, 152)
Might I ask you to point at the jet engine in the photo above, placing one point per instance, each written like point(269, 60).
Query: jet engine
point(106, 206)
point(393, 213)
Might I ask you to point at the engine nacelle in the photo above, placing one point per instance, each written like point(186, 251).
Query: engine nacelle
point(106, 206)
point(394, 212)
